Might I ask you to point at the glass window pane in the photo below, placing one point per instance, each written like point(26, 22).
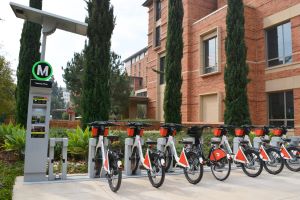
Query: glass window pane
point(276, 106)
point(280, 43)
point(276, 123)
point(289, 105)
point(287, 42)
point(291, 123)
point(162, 69)
point(210, 55)
point(272, 37)
point(157, 36)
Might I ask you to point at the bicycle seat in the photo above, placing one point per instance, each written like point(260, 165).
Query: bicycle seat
point(150, 142)
point(185, 142)
point(286, 139)
point(244, 142)
point(215, 140)
point(113, 138)
point(265, 140)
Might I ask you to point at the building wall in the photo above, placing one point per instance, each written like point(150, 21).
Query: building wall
point(202, 18)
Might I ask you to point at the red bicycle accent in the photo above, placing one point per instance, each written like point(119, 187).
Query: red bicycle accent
point(240, 156)
point(217, 154)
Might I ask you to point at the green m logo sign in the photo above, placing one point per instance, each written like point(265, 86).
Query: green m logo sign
point(42, 71)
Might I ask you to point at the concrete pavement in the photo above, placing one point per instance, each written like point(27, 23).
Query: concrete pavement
point(285, 186)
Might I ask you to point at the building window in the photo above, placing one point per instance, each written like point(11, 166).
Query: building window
point(157, 36)
point(139, 69)
point(210, 55)
point(158, 10)
point(140, 82)
point(281, 108)
point(279, 44)
point(162, 70)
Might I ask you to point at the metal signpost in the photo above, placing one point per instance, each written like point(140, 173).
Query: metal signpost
point(37, 141)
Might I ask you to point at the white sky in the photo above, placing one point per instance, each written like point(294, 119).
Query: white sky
point(129, 36)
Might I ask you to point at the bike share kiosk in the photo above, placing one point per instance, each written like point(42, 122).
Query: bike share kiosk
point(38, 118)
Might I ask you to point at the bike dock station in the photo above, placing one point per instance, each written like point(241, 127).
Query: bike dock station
point(95, 171)
point(52, 143)
point(127, 161)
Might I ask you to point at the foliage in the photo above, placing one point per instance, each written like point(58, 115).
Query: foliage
point(79, 142)
point(73, 77)
point(119, 87)
point(236, 71)
point(57, 101)
point(7, 88)
point(28, 55)
point(16, 141)
point(174, 49)
point(8, 174)
point(96, 79)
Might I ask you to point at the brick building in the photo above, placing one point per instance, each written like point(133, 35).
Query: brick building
point(272, 35)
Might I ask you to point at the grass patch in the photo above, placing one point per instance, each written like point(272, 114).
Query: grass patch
point(8, 174)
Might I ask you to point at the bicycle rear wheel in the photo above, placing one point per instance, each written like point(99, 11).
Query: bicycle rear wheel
point(156, 175)
point(169, 158)
point(195, 172)
point(221, 168)
point(294, 163)
point(276, 163)
point(98, 162)
point(134, 160)
point(115, 176)
point(255, 165)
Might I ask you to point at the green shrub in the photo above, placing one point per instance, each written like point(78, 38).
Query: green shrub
point(78, 142)
point(15, 141)
point(8, 174)
point(7, 130)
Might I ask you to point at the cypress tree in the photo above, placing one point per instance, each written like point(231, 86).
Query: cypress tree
point(174, 48)
point(236, 71)
point(95, 95)
point(28, 55)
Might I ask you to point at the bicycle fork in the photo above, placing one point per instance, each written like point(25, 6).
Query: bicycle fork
point(182, 160)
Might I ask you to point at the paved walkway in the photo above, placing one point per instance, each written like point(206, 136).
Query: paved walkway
point(285, 186)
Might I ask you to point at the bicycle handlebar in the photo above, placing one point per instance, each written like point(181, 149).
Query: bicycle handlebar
point(139, 124)
point(102, 123)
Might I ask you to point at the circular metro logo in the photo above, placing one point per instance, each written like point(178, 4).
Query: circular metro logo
point(42, 71)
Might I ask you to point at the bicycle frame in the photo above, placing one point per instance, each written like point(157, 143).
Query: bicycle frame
point(105, 155)
point(182, 160)
point(144, 160)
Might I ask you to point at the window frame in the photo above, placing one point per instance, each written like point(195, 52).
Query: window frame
point(285, 120)
point(283, 50)
point(206, 57)
point(157, 36)
point(214, 32)
point(158, 10)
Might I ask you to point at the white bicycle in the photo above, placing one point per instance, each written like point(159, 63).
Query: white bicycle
point(153, 161)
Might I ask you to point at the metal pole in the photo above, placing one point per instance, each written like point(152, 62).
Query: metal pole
point(44, 41)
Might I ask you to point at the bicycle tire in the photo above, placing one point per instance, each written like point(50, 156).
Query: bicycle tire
point(169, 158)
point(114, 171)
point(157, 167)
point(253, 157)
point(274, 156)
point(134, 160)
point(219, 165)
point(294, 152)
point(98, 162)
point(195, 165)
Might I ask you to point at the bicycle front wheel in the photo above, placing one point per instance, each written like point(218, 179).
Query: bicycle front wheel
point(156, 175)
point(134, 160)
point(294, 163)
point(221, 168)
point(169, 158)
point(195, 172)
point(255, 165)
point(115, 176)
point(276, 163)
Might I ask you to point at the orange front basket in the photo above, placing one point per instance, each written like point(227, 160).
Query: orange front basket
point(94, 132)
point(259, 132)
point(239, 132)
point(106, 132)
point(163, 132)
point(130, 132)
point(277, 132)
point(217, 132)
